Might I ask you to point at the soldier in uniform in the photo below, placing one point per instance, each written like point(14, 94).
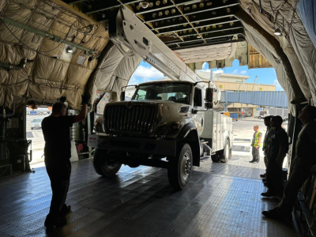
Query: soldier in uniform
point(266, 142)
point(304, 164)
point(276, 153)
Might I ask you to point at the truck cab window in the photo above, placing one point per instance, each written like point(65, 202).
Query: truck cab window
point(176, 92)
point(141, 95)
point(197, 97)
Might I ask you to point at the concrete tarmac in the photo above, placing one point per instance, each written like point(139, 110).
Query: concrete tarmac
point(242, 129)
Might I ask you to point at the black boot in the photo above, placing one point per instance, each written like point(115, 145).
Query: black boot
point(65, 210)
point(52, 221)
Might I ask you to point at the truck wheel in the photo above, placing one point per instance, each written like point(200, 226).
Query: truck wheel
point(103, 164)
point(226, 153)
point(180, 167)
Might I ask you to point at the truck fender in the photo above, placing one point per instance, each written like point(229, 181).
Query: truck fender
point(189, 135)
point(185, 131)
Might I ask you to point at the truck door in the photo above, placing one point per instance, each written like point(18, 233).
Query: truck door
point(198, 114)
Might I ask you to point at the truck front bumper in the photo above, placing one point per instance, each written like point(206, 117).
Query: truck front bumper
point(158, 147)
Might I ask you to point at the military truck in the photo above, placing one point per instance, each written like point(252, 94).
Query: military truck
point(167, 124)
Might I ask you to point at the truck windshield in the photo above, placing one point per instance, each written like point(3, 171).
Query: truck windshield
point(176, 92)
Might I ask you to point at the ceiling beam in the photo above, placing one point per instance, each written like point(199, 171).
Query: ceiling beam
point(213, 29)
point(208, 6)
point(179, 27)
point(204, 16)
point(73, 1)
point(195, 45)
point(154, 8)
point(220, 34)
point(162, 15)
point(98, 6)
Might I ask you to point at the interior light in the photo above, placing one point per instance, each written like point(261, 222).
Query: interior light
point(144, 4)
point(69, 50)
point(277, 32)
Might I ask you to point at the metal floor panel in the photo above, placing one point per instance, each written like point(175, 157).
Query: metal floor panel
point(220, 200)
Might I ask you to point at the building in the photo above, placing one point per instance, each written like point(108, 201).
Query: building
point(234, 82)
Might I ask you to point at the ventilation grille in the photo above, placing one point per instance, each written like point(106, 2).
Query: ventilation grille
point(137, 118)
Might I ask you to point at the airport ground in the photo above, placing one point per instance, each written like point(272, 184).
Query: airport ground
point(243, 132)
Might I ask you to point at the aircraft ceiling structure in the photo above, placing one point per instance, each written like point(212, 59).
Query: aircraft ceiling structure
point(185, 26)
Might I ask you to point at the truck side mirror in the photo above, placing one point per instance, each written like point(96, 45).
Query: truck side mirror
point(209, 98)
point(122, 97)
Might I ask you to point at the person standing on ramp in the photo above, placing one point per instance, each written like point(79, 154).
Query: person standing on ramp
point(56, 131)
point(256, 144)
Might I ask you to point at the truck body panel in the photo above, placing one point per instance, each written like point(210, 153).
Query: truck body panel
point(218, 128)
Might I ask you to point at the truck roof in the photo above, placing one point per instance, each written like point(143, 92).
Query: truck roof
point(201, 85)
point(160, 82)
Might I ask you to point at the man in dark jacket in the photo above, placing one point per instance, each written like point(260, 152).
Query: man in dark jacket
point(277, 151)
point(304, 164)
point(266, 141)
point(56, 131)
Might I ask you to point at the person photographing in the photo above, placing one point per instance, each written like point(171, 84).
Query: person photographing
point(56, 131)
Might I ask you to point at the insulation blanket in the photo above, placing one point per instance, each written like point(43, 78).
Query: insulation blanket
point(307, 12)
point(54, 68)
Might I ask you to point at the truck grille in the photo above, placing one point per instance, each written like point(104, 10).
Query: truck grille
point(138, 118)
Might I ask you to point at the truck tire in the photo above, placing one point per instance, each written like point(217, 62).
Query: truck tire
point(103, 165)
point(226, 153)
point(180, 168)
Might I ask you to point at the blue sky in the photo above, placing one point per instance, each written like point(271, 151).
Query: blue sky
point(145, 72)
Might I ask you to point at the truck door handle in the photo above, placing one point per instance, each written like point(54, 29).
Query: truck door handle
point(202, 121)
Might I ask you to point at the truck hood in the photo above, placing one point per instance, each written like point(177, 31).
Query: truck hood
point(148, 101)
point(168, 110)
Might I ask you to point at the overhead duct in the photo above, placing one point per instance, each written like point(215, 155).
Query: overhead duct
point(45, 34)
point(20, 66)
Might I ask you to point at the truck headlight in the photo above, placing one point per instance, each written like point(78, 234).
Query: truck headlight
point(184, 109)
point(169, 129)
point(164, 130)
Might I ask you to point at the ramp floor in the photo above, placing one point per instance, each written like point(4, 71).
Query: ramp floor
point(220, 200)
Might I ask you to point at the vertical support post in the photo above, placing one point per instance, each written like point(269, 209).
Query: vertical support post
point(244, 83)
point(26, 160)
point(89, 132)
point(255, 81)
point(226, 107)
point(3, 144)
